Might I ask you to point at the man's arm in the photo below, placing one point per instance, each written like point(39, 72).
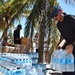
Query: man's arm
point(61, 43)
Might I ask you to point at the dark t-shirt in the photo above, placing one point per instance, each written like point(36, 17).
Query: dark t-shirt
point(67, 29)
point(17, 35)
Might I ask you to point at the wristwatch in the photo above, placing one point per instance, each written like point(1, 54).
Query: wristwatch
point(73, 44)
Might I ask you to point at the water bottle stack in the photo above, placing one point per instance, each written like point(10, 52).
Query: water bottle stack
point(22, 59)
point(35, 63)
point(62, 61)
point(54, 60)
point(43, 67)
point(70, 62)
point(8, 68)
point(34, 56)
point(12, 64)
point(20, 64)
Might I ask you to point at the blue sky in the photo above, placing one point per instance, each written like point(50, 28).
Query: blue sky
point(69, 9)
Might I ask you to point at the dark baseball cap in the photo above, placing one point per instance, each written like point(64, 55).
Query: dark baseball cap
point(55, 11)
point(19, 26)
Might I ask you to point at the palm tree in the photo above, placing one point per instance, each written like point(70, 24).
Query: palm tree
point(31, 19)
point(15, 9)
point(40, 14)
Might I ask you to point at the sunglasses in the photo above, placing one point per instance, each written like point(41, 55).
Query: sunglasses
point(56, 15)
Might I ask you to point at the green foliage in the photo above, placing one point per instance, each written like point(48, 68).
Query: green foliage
point(15, 9)
point(35, 11)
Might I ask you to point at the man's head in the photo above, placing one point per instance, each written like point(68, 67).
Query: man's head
point(19, 26)
point(57, 13)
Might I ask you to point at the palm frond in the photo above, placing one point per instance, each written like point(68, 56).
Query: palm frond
point(71, 2)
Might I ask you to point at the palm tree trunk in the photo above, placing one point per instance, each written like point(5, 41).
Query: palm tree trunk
point(5, 32)
point(42, 31)
point(41, 39)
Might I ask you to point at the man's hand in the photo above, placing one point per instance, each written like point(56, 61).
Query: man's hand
point(69, 48)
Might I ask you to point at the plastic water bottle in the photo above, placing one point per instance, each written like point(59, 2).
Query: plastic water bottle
point(16, 61)
point(53, 59)
point(32, 71)
point(58, 60)
point(2, 70)
point(34, 60)
point(8, 72)
point(42, 66)
point(61, 60)
point(17, 73)
point(35, 55)
point(70, 62)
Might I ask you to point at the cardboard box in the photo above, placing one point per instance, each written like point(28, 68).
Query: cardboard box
point(25, 40)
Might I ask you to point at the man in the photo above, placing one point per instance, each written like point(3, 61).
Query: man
point(17, 39)
point(66, 26)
